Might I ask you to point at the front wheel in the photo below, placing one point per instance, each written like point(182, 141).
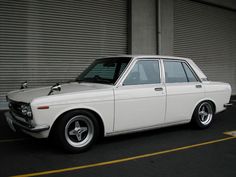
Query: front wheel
point(203, 115)
point(77, 131)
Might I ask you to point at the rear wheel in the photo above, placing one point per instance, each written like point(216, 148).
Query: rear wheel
point(77, 131)
point(203, 115)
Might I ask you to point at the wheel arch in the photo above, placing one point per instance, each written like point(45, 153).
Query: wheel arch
point(213, 104)
point(98, 117)
point(207, 100)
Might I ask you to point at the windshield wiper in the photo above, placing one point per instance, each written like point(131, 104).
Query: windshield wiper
point(95, 79)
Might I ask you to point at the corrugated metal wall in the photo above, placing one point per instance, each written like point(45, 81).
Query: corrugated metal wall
point(46, 42)
point(207, 34)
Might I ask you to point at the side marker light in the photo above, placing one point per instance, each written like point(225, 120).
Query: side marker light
point(43, 107)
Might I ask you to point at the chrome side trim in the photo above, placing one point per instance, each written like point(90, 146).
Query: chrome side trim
point(146, 128)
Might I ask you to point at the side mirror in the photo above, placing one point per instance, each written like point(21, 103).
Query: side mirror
point(24, 85)
point(56, 87)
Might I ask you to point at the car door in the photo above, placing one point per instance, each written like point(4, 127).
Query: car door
point(140, 99)
point(183, 88)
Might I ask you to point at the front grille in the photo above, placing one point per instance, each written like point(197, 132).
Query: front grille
point(15, 107)
point(15, 110)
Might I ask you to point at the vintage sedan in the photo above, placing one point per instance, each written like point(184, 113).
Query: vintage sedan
point(117, 95)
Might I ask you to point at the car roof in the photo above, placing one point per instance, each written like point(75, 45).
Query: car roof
point(149, 56)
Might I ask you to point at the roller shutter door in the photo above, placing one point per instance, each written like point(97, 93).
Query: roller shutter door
point(46, 42)
point(207, 34)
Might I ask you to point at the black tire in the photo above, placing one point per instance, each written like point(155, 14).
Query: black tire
point(76, 131)
point(203, 115)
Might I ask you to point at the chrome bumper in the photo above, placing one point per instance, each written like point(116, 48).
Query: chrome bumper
point(13, 123)
point(227, 105)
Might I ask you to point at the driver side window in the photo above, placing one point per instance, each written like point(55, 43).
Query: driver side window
point(144, 72)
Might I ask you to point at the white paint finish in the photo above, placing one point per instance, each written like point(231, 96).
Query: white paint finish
point(139, 106)
point(27, 95)
point(218, 92)
point(181, 100)
point(99, 101)
point(126, 109)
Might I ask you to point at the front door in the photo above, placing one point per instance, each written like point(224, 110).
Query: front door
point(140, 100)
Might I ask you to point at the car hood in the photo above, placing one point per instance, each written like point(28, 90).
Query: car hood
point(27, 95)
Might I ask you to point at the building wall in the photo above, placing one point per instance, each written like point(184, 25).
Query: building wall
point(166, 27)
point(83, 31)
point(143, 27)
point(229, 4)
point(45, 42)
point(204, 31)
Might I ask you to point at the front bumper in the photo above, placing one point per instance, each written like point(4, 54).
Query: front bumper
point(14, 123)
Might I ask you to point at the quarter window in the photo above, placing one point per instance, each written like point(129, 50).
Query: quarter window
point(144, 72)
point(189, 73)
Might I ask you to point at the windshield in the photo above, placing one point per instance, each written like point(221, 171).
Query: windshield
point(104, 71)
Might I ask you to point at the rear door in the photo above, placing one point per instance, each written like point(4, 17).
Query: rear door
point(183, 88)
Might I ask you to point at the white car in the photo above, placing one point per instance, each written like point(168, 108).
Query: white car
point(118, 95)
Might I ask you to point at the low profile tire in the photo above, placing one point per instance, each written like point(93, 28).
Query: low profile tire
point(76, 131)
point(203, 115)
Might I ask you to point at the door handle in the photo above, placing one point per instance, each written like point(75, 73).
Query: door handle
point(198, 86)
point(158, 89)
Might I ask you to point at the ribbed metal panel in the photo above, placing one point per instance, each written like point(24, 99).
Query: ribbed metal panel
point(207, 34)
point(46, 42)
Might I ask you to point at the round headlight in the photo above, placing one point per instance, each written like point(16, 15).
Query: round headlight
point(26, 111)
point(29, 114)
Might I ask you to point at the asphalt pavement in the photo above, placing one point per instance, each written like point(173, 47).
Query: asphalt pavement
point(179, 151)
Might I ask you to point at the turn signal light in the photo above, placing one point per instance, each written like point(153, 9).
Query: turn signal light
point(43, 107)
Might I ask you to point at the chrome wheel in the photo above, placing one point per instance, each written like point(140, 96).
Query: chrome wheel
point(79, 131)
point(205, 113)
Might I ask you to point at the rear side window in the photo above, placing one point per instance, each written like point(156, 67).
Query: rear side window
point(174, 72)
point(177, 71)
